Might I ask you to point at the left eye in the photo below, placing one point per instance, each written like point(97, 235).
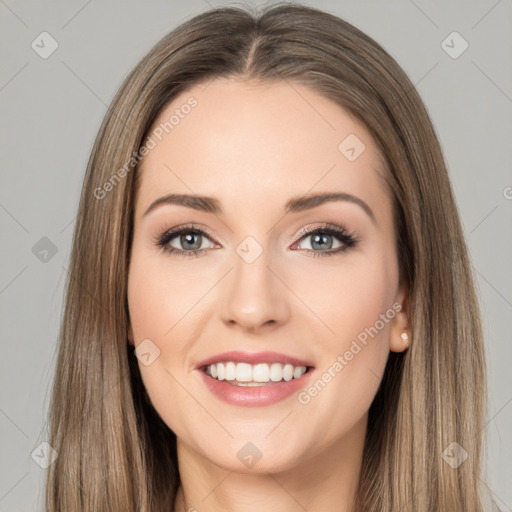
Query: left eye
point(321, 240)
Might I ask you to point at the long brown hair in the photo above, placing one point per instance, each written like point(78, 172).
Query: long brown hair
point(114, 451)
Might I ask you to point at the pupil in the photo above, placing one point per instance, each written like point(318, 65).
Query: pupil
point(187, 239)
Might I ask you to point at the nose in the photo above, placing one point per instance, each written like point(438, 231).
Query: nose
point(255, 297)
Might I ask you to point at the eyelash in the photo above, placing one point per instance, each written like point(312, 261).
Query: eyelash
point(349, 239)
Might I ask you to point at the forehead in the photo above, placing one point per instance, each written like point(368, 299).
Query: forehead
point(248, 141)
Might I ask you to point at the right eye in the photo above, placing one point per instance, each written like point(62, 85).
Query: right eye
point(190, 237)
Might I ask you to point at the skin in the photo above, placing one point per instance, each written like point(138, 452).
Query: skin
point(254, 146)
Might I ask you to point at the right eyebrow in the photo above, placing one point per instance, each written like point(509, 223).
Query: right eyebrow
point(200, 203)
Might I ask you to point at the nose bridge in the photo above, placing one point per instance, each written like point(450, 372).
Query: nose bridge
point(255, 295)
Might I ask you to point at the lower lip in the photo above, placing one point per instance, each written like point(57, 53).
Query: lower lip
point(254, 396)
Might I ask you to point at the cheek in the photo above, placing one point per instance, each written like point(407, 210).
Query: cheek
point(146, 301)
point(158, 309)
point(347, 297)
point(159, 296)
point(356, 305)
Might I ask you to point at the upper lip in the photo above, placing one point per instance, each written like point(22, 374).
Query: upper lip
point(238, 356)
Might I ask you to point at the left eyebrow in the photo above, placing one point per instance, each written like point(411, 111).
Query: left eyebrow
point(297, 204)
point(302, 203)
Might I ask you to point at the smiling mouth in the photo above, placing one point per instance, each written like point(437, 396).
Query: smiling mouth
point(249, 375)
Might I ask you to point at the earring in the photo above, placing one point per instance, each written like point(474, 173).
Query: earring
point(405, 337)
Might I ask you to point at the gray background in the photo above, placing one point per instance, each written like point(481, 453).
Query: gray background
point(51, 111)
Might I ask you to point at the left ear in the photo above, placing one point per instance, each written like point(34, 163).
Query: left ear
point(400, 324)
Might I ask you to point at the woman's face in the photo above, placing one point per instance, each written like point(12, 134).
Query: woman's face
point(331, 300)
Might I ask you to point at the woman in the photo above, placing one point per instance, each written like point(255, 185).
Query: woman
point(243, 371)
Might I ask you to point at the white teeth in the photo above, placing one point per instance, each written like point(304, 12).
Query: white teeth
point(253, 374)
point(260, 372)
point(276, 372)
point(288, 372)
point(297, 372)
point(243, 372)
point(230, 373)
